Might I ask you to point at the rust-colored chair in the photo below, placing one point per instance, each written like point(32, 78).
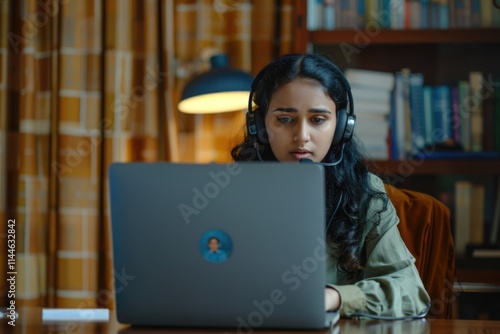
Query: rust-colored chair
point(426, 229)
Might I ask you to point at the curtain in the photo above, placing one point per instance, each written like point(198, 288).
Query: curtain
point(251, 33)
point(84, 84)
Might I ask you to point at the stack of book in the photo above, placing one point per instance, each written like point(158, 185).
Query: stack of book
point(445, 121)
point(469, 215)
point(401, 14)
point(473, 236)
point(371, 92)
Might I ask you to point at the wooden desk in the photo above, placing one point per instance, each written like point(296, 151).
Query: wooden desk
point(30, 321)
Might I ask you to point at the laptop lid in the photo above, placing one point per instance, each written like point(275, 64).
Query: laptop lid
point(219, 245)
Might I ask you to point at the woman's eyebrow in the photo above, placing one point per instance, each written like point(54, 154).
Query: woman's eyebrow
point(285, 109)
point(294, 110)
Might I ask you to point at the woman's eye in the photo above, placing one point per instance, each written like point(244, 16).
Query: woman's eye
point(318, 120)
point(284, 119)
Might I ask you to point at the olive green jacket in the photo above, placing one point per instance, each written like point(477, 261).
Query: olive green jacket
point(389, 284)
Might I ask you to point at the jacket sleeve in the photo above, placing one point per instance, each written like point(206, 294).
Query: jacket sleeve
point(390, 284)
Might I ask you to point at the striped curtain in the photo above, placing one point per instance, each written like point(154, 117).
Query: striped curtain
point(251, 33)
point(87, 83)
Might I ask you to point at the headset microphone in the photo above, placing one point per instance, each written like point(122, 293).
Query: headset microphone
point(326, 164)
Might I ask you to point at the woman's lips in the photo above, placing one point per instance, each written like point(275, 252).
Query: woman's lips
point(301, 154)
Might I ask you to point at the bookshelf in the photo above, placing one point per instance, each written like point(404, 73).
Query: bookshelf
point(414, 36)
point(430, 167)
point(444, 57)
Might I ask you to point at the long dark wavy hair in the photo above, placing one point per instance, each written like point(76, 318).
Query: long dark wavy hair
point(348, 189)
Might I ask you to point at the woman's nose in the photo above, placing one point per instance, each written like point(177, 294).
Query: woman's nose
point(302, 133)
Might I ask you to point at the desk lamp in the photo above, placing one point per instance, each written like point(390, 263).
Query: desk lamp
point(221, 89)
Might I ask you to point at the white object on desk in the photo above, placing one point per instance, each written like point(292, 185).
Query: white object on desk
point(75, 314)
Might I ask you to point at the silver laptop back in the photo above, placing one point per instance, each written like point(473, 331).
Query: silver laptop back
point(219, 245)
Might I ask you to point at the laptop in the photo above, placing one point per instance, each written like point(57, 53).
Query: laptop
point(237, 245)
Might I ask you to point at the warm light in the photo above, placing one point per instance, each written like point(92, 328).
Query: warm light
point(214, 103)
point(222, 89)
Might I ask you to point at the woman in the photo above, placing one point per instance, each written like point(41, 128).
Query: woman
point(301, 109)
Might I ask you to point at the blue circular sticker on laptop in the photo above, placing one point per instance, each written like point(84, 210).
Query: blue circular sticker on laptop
point(216, 246)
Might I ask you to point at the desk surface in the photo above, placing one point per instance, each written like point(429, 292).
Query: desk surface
point(30, 321)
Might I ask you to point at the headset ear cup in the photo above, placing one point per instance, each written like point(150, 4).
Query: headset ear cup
point(338, 136)
point(260, 127)
point(349, 128)
point(250, 122)
point(255, 125)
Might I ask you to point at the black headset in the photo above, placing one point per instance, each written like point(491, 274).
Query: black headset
point(345, 120)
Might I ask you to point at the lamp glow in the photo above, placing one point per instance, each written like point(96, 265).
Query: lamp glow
point(214, 102)
point(222, 89)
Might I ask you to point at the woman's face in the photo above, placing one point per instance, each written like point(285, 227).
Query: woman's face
point(301, 121)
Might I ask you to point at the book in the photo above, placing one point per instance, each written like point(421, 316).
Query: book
point(367, 106)
point(329, 15)
point(475, 107)
point(370, 78)
point(469, 215)
point(398, 11)
point(384, 14)
point(475, 19)
point(496, 110)
point(370, 94)
point(488, 117)
point(361, 12)
point(486, 13)
point(495, 224)
point(462, 216)
point(465, 130)
point(414, 14)
point(398, 139)
point(428, 115)
point(452, 11)
point(441, 113)
point(495, 18)
point(417, 119)
point(455, 115)
point(463, 13)
point(372, 131)
point(443, 18)
point(476, 223)
point(405, 74)
point(434, 11)
point(372, 124)
point(424, 14)
point(314, 15)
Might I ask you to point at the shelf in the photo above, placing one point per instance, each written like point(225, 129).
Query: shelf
point(416, 36)
point(478, 270)
point(478, 263)
point(456, 166)
point(460, 287)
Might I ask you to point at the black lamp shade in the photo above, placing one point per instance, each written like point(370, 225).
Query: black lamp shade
point(221, 89)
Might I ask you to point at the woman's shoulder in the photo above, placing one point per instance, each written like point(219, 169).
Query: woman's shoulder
point(376, 182)
point(381, 214)
point(378, 198)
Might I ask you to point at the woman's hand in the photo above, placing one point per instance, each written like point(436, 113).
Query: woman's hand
point(332, 299)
